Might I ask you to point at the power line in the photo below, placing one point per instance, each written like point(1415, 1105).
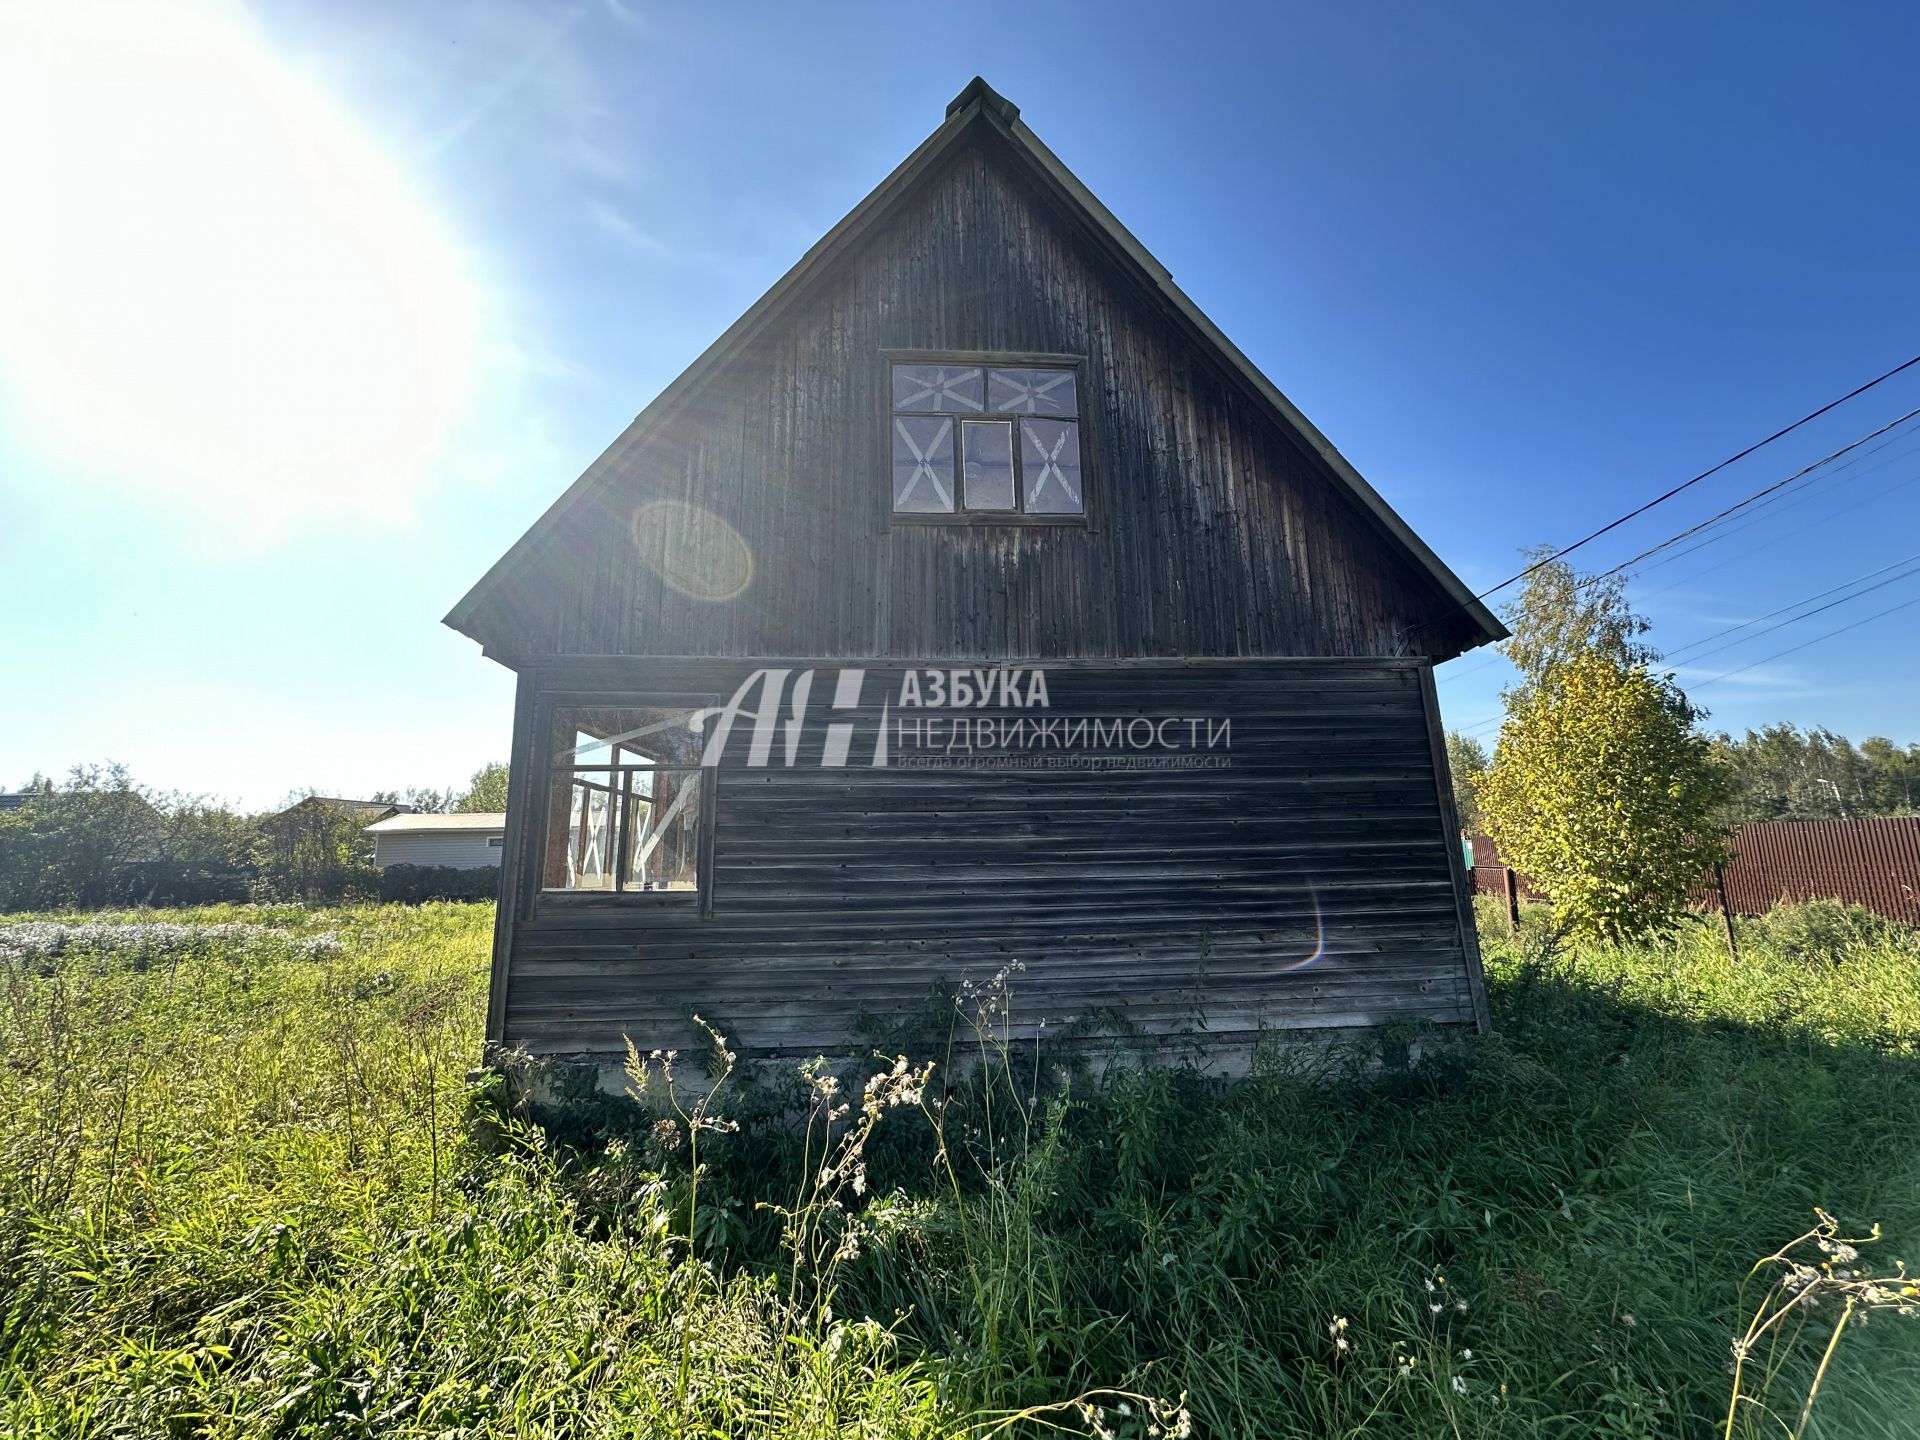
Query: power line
point(1490, 661)
point(1487, 664)
point(1484, 727)
point(1772, 509)
point(1496, 720)
point(1795, 620)
point(1481, 727)
point(1831, 514)
point(1877, 615)
point(1740, 505)
point(1612, 525)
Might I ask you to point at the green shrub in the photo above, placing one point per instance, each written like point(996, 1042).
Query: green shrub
point(418, 884)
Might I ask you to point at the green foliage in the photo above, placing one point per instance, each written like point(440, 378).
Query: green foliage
point(64, 845)
point(1467, 763)
point(486, 791)
point(1602, 794)
point(317, 850)
point(100, 839)
point(1560, 615)
point(1782, 773)
point(245, 1196)
point(205, 853)
point(421, 800)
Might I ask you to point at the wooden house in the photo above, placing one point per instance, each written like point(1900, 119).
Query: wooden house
point(973, 600)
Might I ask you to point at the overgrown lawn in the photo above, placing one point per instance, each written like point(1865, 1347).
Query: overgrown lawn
point(245, 1194)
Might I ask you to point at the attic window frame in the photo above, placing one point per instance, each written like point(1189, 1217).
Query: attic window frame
point(960, 515)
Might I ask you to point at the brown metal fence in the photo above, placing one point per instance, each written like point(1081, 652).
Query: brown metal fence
point(1875, 863)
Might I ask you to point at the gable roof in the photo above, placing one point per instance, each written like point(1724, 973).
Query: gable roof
point(979, 107)
point(334, 802)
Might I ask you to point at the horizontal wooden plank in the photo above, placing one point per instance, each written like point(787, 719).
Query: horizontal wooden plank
point(1308, 884)
point(1069, 921)
point(767, 1037)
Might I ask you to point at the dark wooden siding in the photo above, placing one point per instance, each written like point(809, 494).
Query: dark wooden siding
point(1179, 897)
point(1214, 532)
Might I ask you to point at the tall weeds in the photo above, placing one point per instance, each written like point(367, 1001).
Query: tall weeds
point(1818, 1271)
point(241, 1199)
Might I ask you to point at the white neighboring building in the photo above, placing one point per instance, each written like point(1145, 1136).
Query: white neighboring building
point(465, 842)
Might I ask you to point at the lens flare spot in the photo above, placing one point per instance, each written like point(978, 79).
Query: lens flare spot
point(692, 549)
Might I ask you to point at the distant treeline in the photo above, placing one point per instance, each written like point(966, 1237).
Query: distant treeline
point(1783, 773)
point(100, 839)
point(1779, 773)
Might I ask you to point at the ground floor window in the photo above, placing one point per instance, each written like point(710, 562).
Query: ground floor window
point(627, 799)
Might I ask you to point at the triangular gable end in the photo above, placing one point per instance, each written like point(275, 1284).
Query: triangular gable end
point(979, 109)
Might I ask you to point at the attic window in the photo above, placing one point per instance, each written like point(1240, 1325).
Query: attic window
point(976, 441)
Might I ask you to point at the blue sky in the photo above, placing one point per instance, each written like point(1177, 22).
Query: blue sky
point(306, 311)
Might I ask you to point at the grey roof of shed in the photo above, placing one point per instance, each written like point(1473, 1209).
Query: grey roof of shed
point(471, 821)
point(980, 104)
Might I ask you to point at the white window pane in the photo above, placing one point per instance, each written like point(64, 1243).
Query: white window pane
point(923, 465)
point(1050, 458)
point(1034, 392)
point(987, 461)
point(940, 389)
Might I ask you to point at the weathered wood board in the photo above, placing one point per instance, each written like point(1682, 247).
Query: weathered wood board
point(1297, 875)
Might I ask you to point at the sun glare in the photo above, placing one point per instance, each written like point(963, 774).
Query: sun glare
point(216, 290)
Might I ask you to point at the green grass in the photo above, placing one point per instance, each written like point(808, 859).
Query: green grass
point(245, 1193)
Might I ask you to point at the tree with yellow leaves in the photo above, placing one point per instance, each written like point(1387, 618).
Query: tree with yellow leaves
point(1602, 793)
